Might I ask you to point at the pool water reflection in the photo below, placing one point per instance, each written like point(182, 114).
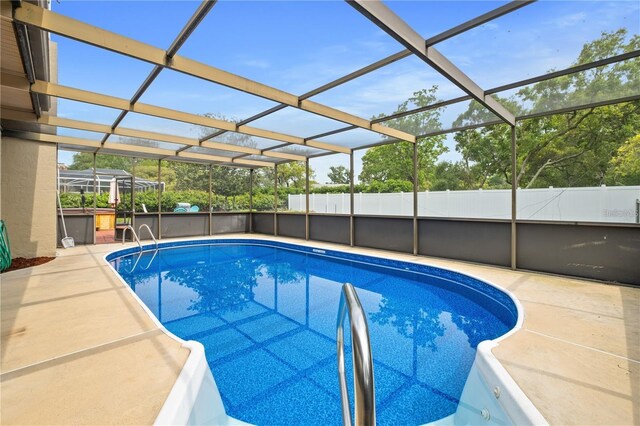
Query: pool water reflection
point(266, 316)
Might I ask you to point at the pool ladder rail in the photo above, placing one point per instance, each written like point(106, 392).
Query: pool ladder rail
point(365, 399)
point(133, 232)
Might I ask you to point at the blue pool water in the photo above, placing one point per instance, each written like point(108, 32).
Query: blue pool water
point(266, 314)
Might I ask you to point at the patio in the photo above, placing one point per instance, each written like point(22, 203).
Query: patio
point(472, 100)
point(66, 344)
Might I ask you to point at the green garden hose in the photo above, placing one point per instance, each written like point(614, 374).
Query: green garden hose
point(5, 249)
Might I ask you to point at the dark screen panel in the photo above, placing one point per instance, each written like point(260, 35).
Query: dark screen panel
point(332, 229)
point(608, 253)
point(391, 233)
point(473, 241)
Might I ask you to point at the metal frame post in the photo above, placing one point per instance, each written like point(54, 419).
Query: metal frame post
point(251, 201)
point(95, 200)
point(306, 194)
point(352, 241)
point(415, 198)
point(387, 20)
point(275, 200)
point(133, 192)
point(514, 188)
point(159, 199)
point(210, 205)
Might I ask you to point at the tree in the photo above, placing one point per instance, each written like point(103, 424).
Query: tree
point(571, 149)
point(191, 176)
point(292, 175)
point(229, 181)
point(395, 160)
point(625, 164)
point(454, 176)
point(339, 175)
point(84, 161)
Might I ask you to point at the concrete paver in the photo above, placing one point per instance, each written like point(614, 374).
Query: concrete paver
point(77, 348)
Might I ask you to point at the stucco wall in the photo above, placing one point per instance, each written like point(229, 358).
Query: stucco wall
point(28, 196)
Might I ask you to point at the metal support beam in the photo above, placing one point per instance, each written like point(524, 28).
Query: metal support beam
point(415, 199)
point(275, 200)
point(182, 37)
point(251, 201)
point(133, 192)
point(544, 77)
point(352, 234)
point(571, 70)
point(514, 189)
point(22, 37)
point(159, 199)
point(334, 132)
point(154, 136)
point(306, 196)
point(378, 13)
point(476, 22)
point(99, 99)
point(496, 13)
point(246, 121)
point(95, 199)
point(69, 27)
point(125, 148)
point(210, 195)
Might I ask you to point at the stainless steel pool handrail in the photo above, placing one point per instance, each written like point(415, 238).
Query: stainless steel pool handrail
point(133, 231)
point(365, 399)
point(143, 226)
point(155, 252)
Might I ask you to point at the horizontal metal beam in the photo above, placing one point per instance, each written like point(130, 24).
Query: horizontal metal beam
point(579, 107)
point(518, 118)
point(125, 148)
point(496, 13)
point(220, 159)
point(378, 13)
point(156, 111)
point(134, 133)
point(462, 128)
point(333, 132)
point(247, 120)
point(44, 137)
point(24, 47)
point(480, 20)
point(571, 70)
point(358, 73)
point(424, 108)
point(77, 30)
point(284, 155)
point(517, 84)
point(191, 25)
point(195, 20)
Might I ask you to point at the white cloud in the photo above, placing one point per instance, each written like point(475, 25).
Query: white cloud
point(570, 20)
point(256, 63)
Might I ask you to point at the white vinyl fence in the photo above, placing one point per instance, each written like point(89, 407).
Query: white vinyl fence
point(595, 204)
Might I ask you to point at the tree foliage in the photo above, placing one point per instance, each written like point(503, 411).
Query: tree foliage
point(338, 175)
point(292, 175)
point(625, 164)
point(84, 161)
point(395, 160)
point(571, 149)
point(586, 147)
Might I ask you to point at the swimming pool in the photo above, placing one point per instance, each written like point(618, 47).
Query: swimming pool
point(265, 313)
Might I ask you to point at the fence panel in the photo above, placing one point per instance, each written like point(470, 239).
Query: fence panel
point(596, 204)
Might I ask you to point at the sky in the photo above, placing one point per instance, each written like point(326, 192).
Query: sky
point(297, 46)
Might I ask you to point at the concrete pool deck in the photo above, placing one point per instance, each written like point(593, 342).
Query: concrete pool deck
point(77, 347)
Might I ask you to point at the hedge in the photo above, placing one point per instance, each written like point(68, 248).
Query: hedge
point(262, 201)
